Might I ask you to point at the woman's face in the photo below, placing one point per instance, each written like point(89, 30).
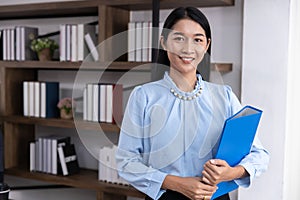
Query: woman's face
point(186, 45)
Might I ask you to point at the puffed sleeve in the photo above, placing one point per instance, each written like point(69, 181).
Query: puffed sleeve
point(131, 156)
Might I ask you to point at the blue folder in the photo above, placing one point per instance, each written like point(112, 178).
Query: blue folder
point(236, 140)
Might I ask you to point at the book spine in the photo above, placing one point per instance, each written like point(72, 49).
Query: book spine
point(25, 98)
point(62, 160)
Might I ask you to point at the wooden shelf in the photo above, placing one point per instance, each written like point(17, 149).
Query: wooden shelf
point(168, 4)
point(49, 10)
point(221, 67)
point(61, 123)
point(114, 66)
point(57, 65)
point(86, 179)
point(90, 7)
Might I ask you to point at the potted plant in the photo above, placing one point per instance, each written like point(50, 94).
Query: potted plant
point(66, 107)
point(44, 47)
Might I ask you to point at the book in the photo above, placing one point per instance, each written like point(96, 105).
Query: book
point(32, 164)
point(236, 140)
point(82, 30)
point(49, 99)
point(131, 41)
point(90, 40)
point(68, 159)
point(57, 141)
point(114, 103)
point(25, 98)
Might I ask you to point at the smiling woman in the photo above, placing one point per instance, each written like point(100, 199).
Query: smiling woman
point(171, 127)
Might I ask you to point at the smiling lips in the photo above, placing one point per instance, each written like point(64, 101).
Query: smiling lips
point(187, 60)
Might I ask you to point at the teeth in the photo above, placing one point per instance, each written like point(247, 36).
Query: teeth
point(187, 59)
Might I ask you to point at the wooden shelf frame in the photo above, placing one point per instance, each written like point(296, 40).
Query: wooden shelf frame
point(91, 7)
point(114, 66)
point(86, 179)
point(61, 123)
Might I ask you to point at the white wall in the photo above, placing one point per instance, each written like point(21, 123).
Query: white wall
point(292, 147)
point(269, 78)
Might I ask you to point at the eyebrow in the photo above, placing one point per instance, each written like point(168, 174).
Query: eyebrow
point(197, 34)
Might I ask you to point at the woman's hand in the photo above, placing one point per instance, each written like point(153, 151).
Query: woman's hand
point(192, 187)
point(216, 171)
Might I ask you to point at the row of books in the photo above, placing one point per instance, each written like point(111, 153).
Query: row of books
point(15, 43)
point(77, 41)
point(103, 102)
point(140, 41)
point(40, 99)
point(54, 155)
point(108, 167)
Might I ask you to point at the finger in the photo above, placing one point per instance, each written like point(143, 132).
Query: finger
point(209, 189)
point(207, 178)
point(211, 172)
point(218, 162)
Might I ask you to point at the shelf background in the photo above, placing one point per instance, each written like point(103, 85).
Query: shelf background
point(52, 66)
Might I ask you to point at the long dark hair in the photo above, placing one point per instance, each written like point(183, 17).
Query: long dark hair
point(176, 15)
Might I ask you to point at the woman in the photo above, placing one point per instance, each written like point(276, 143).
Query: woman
point(171, 127)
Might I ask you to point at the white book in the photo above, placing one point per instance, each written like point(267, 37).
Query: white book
point(74, 43)
point(4, 48)
point(41, 152)
point(18, 43)
point(103, 103)
point(109, 103)
point(100, 165)
point(113, 165)
point(25, 98)
point(62, 160)
point(95, 102)
point(32, 156)
point(22, 43)
point(82, 30)
point(49, 155)
point(31, 98)
point(80, 42)
point(45, 153)
point(8, 44)
point(90, 102)
point(37, 99)
point(62, 42)
point(68, 42)
point(84, 104)
point(131, 41)
point(138, 42)
point(12, 43)
point(105, 176)
point(53, 155)
point(43, 99)
point(91, 45)
point(150, 42)
point(145, 41)
point(37, 154)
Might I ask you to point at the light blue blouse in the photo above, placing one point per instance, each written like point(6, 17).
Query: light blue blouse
point(162, 134)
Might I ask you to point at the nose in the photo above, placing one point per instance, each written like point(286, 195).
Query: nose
point(188, 47)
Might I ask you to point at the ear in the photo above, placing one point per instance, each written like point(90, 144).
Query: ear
point(207, 46)
point(162, 43)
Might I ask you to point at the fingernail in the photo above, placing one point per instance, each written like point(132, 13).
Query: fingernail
point(212, 161)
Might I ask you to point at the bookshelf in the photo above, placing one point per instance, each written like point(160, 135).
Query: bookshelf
point(113, 17)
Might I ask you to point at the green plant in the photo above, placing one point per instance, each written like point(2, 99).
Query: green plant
point(41, 43)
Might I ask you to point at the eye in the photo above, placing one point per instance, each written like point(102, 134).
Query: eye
point(199, 40)
point(179, 39)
